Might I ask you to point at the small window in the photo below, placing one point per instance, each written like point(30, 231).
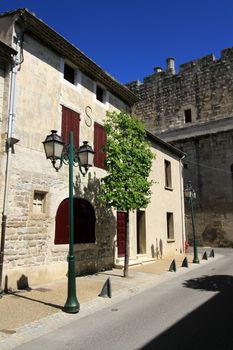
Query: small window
point(170, 226)
point(69, 73)
point(168, 179)
point(39, 202)
point(99, 93)
point(188, 115)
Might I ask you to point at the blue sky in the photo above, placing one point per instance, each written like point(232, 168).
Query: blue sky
point(128, 38)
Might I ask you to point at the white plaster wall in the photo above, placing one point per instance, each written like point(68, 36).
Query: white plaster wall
point(162, 201)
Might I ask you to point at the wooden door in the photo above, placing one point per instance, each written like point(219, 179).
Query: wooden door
point(121, 233)
point(84, 222)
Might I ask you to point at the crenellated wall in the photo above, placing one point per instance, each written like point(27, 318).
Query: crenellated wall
point(204, 85)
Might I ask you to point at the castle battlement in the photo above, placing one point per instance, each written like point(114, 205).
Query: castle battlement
point(201, 90)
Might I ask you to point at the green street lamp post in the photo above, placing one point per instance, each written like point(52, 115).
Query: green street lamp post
point(190, 194)
point(59, 153)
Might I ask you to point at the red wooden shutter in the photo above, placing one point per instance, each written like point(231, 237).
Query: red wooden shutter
point(99, 142)
point(121, 230)
point(70, 122)
point(62, 223)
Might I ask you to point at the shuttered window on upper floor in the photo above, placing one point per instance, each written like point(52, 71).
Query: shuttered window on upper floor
point(70, 122)
point(99, 142)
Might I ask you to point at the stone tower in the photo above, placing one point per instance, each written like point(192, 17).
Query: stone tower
point(193, 110)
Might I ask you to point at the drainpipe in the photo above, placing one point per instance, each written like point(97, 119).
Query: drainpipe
point(182, 203)
point(10, 141)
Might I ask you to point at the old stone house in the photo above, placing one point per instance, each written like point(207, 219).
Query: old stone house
point(52, 85)
point(192, 109)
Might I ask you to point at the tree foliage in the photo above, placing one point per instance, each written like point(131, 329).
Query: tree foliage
point(128, 163)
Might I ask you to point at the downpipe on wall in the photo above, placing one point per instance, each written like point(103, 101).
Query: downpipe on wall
point(10, 141)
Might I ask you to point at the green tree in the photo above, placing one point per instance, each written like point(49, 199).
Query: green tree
point(128, 163)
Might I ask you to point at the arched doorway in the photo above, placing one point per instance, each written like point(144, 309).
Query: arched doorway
point(84, 222)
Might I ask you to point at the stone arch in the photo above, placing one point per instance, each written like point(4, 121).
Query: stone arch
point(84, 222)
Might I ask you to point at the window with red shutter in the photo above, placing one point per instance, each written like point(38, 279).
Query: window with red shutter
point(70, 122)
point(99, 142)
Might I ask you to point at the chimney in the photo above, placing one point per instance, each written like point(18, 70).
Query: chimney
point(171, 65)
point(158, 70)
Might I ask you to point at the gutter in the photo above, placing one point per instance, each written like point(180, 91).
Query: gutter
point(10, 141)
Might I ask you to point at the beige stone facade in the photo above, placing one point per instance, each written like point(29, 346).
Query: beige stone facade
point(35, 190)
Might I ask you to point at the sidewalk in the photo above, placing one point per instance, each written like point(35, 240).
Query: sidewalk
point(27, 314)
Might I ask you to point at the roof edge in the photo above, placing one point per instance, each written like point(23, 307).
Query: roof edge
point(164, 144)
point(61, 45)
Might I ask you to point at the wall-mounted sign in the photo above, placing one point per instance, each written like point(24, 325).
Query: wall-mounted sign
point(88, 116)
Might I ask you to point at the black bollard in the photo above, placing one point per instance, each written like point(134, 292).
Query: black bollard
point(172, 267)
point(205, 257)
point(185, 262)
point(211, 254)
point(106, 291)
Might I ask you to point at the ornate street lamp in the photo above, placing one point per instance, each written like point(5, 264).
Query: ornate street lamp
point(190, 194)
point(59, 153)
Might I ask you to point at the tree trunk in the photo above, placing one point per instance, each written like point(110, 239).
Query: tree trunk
point(126, 265)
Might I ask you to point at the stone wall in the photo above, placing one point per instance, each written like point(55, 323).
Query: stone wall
point(209, 166)
point(205, 88)
point(205, 84)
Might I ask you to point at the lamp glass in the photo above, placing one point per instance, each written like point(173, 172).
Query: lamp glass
point(90, 159)
point(83, 158)
point(48, 147)
point(53, 146)
point(86, 155)
point(58, 149)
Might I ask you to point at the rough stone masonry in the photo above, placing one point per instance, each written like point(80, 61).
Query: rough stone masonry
point(193, 109)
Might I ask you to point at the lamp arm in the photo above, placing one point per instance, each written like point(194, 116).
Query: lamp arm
point(57, 167)
point(77, 163)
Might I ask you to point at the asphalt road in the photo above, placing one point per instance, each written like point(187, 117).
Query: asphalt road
point(192, 311)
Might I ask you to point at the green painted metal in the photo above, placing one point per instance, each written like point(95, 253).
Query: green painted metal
point(72, 305)
point(195, 252)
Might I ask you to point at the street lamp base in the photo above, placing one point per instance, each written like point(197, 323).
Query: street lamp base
point(71, 308)
point(196, 261)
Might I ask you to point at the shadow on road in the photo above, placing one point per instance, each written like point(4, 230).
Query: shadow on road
point(208, 327)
